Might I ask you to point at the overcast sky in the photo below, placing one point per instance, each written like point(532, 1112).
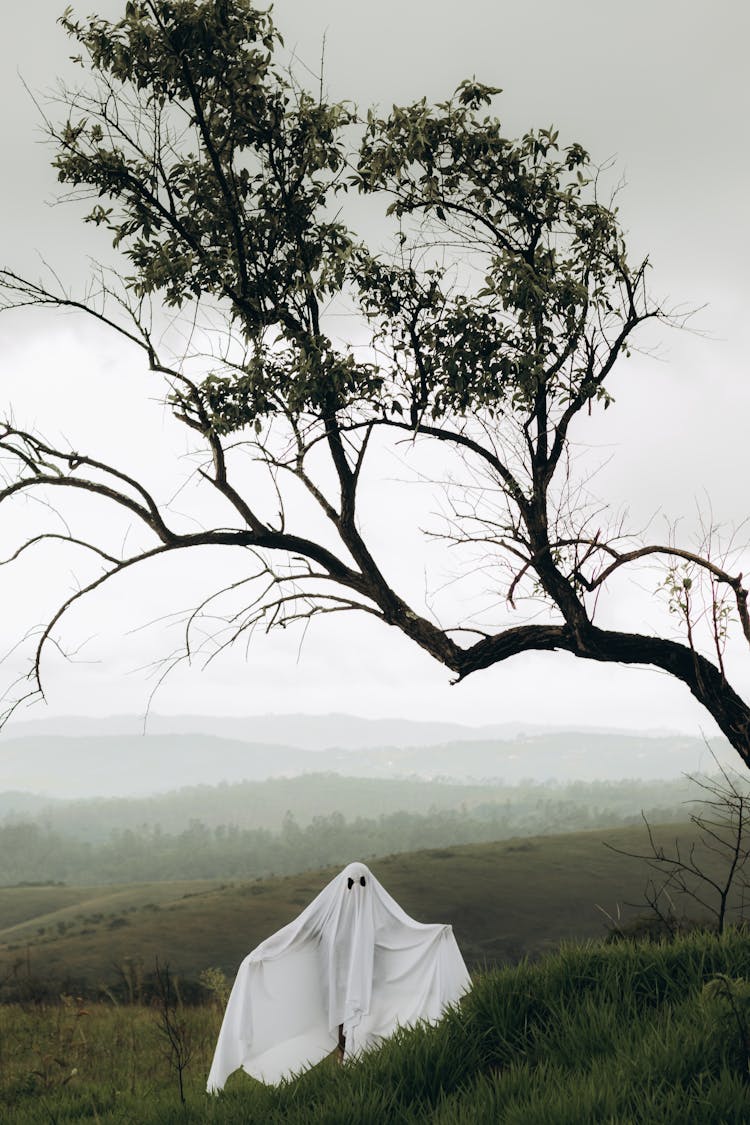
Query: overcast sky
point(661, 89)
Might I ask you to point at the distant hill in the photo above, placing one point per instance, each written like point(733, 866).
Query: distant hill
point(266, 804)
point(307, 732)
point(504, 900)
point(23, 806)
point(136, 765)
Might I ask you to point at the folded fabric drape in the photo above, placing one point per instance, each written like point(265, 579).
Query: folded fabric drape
point(352, 959)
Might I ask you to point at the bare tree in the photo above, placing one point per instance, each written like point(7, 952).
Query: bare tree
point(173, 1025)
point(710, 871)
point(489, 332)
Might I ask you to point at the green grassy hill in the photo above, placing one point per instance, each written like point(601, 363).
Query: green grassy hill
point(594, 1035)
point(504, 900)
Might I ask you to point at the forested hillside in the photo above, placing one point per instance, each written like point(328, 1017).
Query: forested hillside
point(288, 825)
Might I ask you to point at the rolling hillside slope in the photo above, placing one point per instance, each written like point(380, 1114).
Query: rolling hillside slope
point(504, 900)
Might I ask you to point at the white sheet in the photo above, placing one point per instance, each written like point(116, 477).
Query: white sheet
point(352, 957)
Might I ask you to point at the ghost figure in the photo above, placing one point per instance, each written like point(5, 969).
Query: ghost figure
point(350, 969)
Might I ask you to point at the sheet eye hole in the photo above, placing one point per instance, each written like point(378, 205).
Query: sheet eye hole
point(362, 881)
point(350, 882)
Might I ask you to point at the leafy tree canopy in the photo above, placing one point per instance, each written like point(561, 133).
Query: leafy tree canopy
point(487, 323)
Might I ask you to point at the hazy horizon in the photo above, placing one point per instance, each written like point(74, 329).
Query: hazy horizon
point(89, 757)
point(37, 719)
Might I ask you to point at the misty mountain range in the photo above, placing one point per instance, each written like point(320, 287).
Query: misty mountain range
point(82, 757)
point(306, 732)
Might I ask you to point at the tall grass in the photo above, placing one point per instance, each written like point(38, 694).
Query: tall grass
point(606, 1035)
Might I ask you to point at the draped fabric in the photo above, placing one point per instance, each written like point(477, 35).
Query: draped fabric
point(353, 957)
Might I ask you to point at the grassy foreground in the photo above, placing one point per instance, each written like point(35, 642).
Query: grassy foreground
point(594, 1034)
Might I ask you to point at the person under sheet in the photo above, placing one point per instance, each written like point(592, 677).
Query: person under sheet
point(350, 969)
